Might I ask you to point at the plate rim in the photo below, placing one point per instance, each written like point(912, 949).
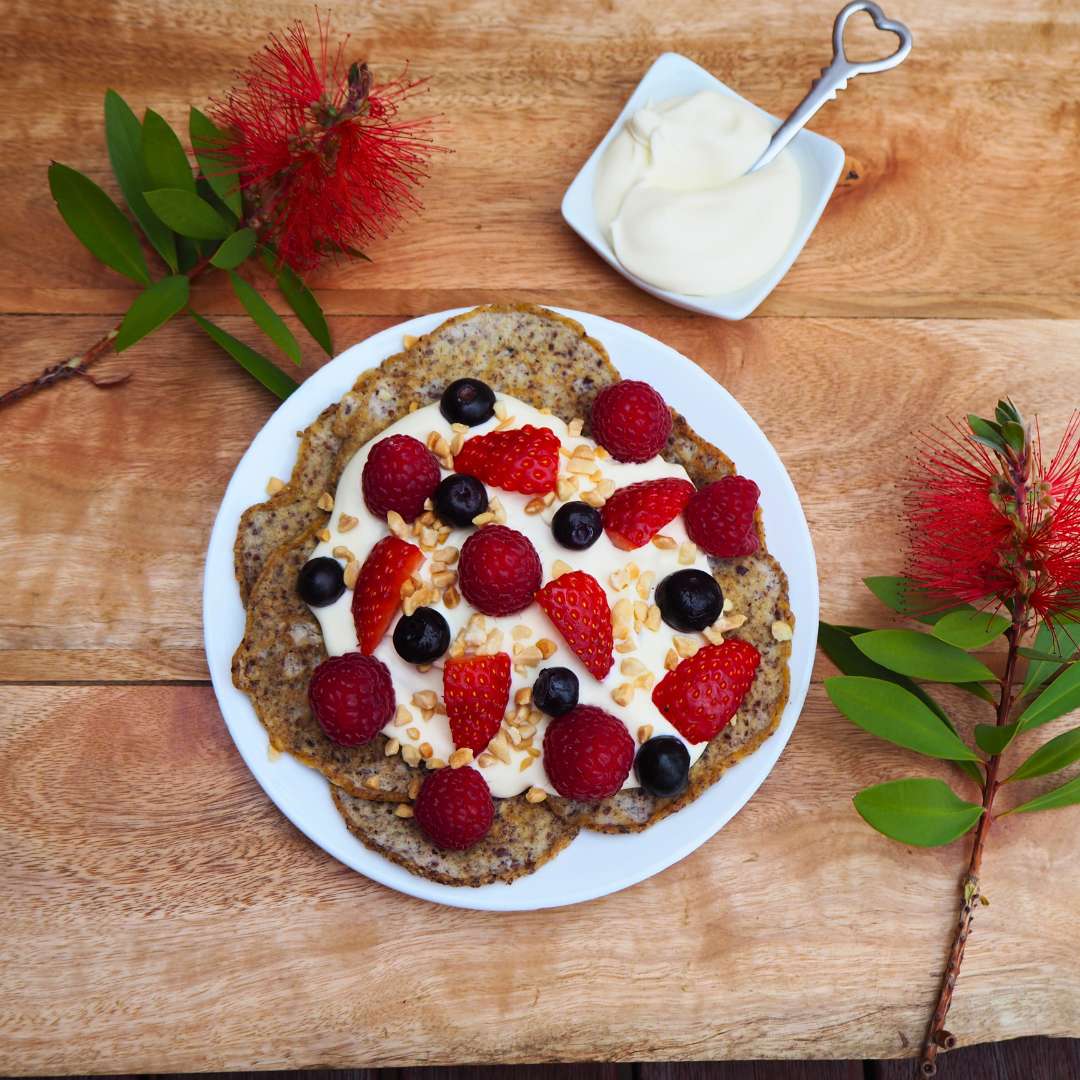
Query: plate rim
point(319, 390)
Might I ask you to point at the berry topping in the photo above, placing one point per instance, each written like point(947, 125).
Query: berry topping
point(352, 697)
point(662, 766)
point(467, 401)
point(555, 691)
point(631, 421)
point(476, 690)
point(720, 517)
point(703, 693)
point(524, 459)
point(689, 600)
point(399, 474)
point(577, 525)
point(499, 570)
point(577, 604)
point(422, 636)
point(320, 581)
point(459, 498)
point(378, 588)
point(454, 808)
point(587, 754)
point(635, 514)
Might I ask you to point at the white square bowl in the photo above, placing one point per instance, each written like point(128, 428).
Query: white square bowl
point(820, 161)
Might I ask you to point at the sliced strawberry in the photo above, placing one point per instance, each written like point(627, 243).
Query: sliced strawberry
point(635, 514)
point(378, 588)
point(705, 691)
point(577, 604)
point(524, 459)
point(476, 690)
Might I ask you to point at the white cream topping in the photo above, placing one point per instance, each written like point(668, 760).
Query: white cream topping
point(602, 560)
point(673, 198)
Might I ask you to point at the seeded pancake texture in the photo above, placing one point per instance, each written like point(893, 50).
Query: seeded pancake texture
point(549, 362)
point(523, 837)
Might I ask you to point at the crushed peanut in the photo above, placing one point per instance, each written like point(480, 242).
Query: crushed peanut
point(342, 552)
point(664, 543)
point(781, 630)
point(402, 716)
point(426, 750)
point(435, 763)
point(558, 568)
point(352, 573)
point(396, 524)
point(409, 340)
point(500, 410)
point(653, 618)
point(573, 429)
point(547, 647)
point(403, 810)
point(535, 795)
point(566, 487)
point(626, 646)
point(392, 747)
point(443, 579)
point(451, 598)
point(346, 522)
point(623, 694)
point(632, 667)
point(372, 783)
point(645, 584)
point(324, 535)
point(523, 696)
point(644, 733)
point(414, 786)
point(410, 755)
point(534, 506)
point(685, 646)
point(688, 553)
point(326, 501)
point(671, 660)
point(461, 756)
point(413, 733)
point(593, 498)
point(425, 699)
point(486, 518)
point(274, 485)
point(520, 632)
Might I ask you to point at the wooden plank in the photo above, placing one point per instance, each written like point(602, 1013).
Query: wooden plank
point(961, 154)
point(752, 1070)
point(159, 914)
point(119, 488)
point(1032, 1059)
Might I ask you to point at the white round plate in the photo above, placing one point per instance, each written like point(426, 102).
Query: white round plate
point(594, 864)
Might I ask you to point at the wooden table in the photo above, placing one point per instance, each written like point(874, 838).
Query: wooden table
point(158, 914)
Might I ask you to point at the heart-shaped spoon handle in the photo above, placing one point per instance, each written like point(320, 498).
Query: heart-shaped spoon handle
point(835, 77)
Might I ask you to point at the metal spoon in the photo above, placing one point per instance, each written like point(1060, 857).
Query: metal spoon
point(834, 78)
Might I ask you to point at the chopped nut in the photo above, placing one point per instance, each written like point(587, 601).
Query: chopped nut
point(520, 632)
point(435, 763)
point(499, 747)
point(529, 656)
point(342, 552)
point(402, 716)
point(523, 696)
point(500, 410)
point(622, 694)
point(424, 668)
point(443, 579)
point(445, 555)
point(713, 636)
point(409, 340)
point(486, 518)
point(504, 424)
point(426, 750)
point(653, 618)
point(326, 501)
point(461, 429)
point(410, 755)
point(593, 498)
point(425, 699)
point(396, 524)
point(492, 644)
point(372, 783)
point(688, 553)
point(645, 584)
point(547, 647)
point(514, 736)
point(403, 810)
point(644, 733)
point(407, 588)
point(626, 646)
point(324, 535)
point(413, 733)
point(527, 732)
point(622, 615)
point(633, 667)
point(534, 506)
point(485, 761)
point(533, 752)
point(584, 451)
point(451, 598)
point(345, 522)
point(558, 568)
point(581, 466)
point(641, 611)
point(392, 747)
point(781, 630)
point(728, 622)
point(456, 443)
point(685, 646)
point(414, 787)
point(524, 763)
point(645, 682)
point(496, 507)
point(461, 756)
point(428, 538)
point(566, 487)
point(535, 795)
point(671, 660)
point(605, 488)
point(352, 573)
point(601, 454)
point(574, 427)
point(274, 485)
point(665, 543)
point(413, 406)
point(728, 604)
point(618, 579)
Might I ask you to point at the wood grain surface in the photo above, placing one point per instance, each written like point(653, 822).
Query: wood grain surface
point(158, 914)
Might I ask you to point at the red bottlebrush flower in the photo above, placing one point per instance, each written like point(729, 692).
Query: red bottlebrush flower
point(324, 161)
point(989, 523)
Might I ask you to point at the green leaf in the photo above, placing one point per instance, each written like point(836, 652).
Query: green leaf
point(1007, 412)
point(1014, 435)
point(890, 712)
point(154, 306)
point(268, 373)
point(123, 136)
point(1060, 697)
point(1058, 753)
point(992, 738)
point(1066, 795)
point(97, 222)
point(899, 594)
point(206, 138)
point(234, 249)
point(185, 213)
point(164, 159)
point(266, 318)
point(1053, 644)
point(970, 629)
point(921, 656)
point(306, 308)
point(987, 432)
point(924, 813)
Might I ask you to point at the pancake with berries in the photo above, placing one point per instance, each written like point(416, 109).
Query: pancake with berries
point(519, 625)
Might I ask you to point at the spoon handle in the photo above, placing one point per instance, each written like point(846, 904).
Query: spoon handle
point(834, 78)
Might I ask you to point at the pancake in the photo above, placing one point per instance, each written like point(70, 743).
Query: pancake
point(548, 361)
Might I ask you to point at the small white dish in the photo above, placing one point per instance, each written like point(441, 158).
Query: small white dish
point(820, 162)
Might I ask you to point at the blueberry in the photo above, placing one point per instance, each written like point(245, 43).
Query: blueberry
point(577, 525)
point(459, 498)
point(320, 581)
point(689, 600)
point(555, 691)
point(467, 401)
point(422, 636)
point(662, 766)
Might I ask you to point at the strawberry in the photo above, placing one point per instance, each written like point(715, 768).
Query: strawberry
point(378, 588)
point(631, 421)
point(476, 690)
point(587, 753)
point(352, 697)
point(499, 570)
point(577, 604)
point(704, 692)
point(399, 474)
point(454, 808)
point(524, 459)
point(635, 514)
point(720, 517)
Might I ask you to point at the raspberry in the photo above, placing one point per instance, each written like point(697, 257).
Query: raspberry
point(524, 459)
point(587, 753)
point(577, 604)
point(454, 808)
point(475, 691)
point(704, 692)
point(399, 474)
point(352, 697)
point(720, 517)
point(635, 514)
point(499, 570)
point(631, 421)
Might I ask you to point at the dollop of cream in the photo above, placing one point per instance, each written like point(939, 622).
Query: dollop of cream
point(673, 197)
